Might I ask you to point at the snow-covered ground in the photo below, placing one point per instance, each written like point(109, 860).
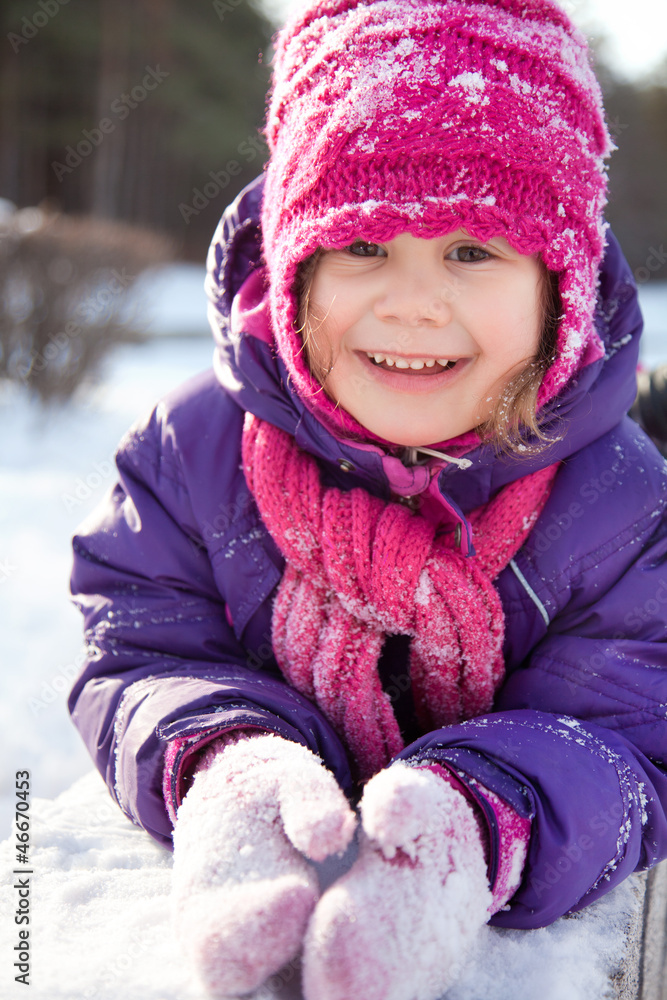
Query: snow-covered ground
point(100, 925)
point(55, 467)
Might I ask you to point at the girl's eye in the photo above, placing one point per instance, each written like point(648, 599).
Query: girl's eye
point(360, 248)
point(469, 254)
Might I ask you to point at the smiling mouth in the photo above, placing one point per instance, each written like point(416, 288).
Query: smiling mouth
point(426, 366)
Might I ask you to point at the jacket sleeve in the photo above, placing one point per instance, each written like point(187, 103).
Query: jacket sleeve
point(579, 738)
point(163, 663)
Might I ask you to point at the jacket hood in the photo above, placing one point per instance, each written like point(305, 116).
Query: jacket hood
point(250, 370)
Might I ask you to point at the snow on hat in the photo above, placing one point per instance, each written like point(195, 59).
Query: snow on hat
point(426, 116)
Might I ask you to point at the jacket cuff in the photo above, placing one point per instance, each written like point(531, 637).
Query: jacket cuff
point(504, 833)
point(514, 838)
point(185, 754)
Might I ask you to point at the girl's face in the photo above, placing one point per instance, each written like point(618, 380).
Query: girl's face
point(416, 338)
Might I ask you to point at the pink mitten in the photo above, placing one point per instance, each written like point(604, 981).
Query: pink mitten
point(397, 926)
point(243, 890)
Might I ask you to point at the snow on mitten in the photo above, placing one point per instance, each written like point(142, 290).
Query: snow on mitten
point(243, 890)
point(398, 925)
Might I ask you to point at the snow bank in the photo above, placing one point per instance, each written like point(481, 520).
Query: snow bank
point(101, 929)
point(56, 465)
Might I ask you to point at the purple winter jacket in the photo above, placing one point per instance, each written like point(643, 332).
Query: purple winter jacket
point(175, 575)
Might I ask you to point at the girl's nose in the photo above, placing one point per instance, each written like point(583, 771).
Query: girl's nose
point(416, 300)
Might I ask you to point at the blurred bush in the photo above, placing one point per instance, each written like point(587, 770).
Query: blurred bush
point(63, 295)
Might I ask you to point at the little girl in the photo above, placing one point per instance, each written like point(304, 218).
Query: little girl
point(401, 547)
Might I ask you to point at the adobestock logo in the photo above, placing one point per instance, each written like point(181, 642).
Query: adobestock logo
point(30, 26)
point(201, 198)
point(120, 108)
point(223, 7)
point(93, 309)
point(656, 260)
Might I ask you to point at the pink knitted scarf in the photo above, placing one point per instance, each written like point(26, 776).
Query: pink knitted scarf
point(359, 568)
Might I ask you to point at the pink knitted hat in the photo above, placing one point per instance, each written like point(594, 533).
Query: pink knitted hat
point(425, 116)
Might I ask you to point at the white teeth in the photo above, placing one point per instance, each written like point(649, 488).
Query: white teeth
point(416, 364)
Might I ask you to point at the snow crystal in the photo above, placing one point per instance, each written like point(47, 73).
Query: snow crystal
point(424, 589)
point(571, 723)
point(246, 539)
point(460, 196)
point(474, 83)
point(471, 81)
point(519, 85)
point(371, 88)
